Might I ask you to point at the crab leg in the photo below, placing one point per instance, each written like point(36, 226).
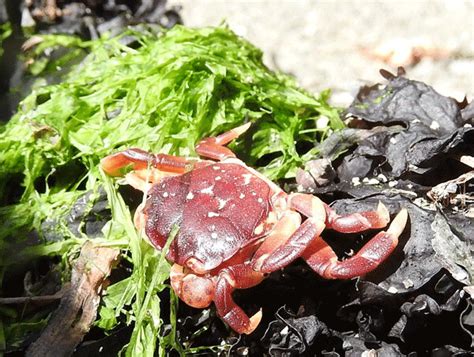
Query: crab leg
point(358, 222)
point(282, 231)
point(140, 160)
point(292, 246)
point(322, 259)
point(351, 223)
point(240, 276)
point(214, 148)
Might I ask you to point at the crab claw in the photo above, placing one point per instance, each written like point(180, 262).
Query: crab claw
point(231, 313)
point(240, 276)
point(360, 221)
point(254, 321)
point(195, 290)
point(322, 259)
point(398, 224)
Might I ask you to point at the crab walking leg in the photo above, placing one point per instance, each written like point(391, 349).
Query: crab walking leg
point(351, 223)
point(322, 259)
point(280, 234)
point(140, 160)
point(214, 148)
point(293, 247)
point(298, 241)
point(359, 221)
point(240, 276)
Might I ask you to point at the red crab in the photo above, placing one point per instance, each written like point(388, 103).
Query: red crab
point(236, 226)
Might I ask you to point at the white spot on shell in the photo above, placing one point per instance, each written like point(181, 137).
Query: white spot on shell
point(228, 239)
point(208, 190)
point(219, 245)
point(242, 195)
point(254, 194)
point(165, 194)
point(190, 196)
point(215, 167)
point(212, 227)
point(260, 200)
point(247, 178)
point(213, 214)
point(218, 178)
point(221, 203)
point(214, 235)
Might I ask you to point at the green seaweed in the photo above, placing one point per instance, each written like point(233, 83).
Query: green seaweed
point(161, 92)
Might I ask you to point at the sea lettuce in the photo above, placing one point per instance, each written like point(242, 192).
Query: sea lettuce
point(160, 91)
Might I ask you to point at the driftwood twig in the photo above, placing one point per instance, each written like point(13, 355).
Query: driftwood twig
point(78, 307)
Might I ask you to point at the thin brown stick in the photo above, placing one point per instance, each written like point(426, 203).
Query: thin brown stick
point(78, 307)
point(42, 299)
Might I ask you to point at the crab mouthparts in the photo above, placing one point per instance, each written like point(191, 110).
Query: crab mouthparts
point(196, 266)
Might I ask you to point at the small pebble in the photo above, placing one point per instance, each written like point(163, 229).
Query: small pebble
point(322, 122)
point(371, 181)
point(460, 275)
point(470, 290)
point(392, 290)
point(243, 351)
point(393, 183)
point(382, 178)
point(408, 283)
point(370, 353)
point(356, 181)
point(434, 125)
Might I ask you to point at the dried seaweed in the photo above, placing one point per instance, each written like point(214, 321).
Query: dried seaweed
point(414, 131)
point(407, 146)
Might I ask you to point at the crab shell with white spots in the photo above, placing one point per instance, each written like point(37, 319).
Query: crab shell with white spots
point(219, 209)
